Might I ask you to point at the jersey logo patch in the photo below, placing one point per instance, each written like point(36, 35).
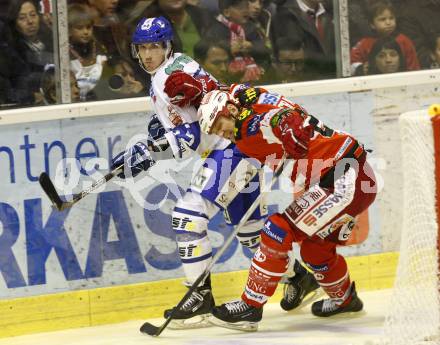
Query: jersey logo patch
point(239, 122)
point(244, 114)
point(274, 232)
point(277, 117)
point(178, 64)
point(201, 179)
point(249, 96)
point(270, 98)
point(253, 126)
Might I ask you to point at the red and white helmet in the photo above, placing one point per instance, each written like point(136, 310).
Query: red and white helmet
point(213, 105)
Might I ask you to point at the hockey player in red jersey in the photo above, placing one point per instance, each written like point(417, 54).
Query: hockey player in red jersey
point(338, 184)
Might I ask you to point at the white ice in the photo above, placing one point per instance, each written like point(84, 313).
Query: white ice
point(277, 327)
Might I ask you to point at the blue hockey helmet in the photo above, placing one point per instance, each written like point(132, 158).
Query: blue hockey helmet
point(157, 29)
point(153, 30)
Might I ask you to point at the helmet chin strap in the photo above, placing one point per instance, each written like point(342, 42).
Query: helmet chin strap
point(167, 55)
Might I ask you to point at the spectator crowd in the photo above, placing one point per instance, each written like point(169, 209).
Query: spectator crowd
point(250, 41)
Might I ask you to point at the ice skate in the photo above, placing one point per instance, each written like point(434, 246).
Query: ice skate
point(329, 307)
point(196, 311)
point(301, 289)
point(237, 315)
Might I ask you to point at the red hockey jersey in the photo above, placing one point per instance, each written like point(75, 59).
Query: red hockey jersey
point(255, 137)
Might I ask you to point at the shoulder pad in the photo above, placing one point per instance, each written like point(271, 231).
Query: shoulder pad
point(178, 64)
point(276, 118)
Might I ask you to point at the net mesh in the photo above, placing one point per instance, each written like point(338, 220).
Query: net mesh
point(414, 312)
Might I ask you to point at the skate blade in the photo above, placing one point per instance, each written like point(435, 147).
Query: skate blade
point(243, 326)
point(311, 297)
point(199, 321)
point(347, 315)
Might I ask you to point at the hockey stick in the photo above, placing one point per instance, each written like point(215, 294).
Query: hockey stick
point(48, 187)
point(155, 331)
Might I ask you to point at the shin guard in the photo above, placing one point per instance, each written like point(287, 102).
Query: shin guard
point(331, 273)
point(270, 261)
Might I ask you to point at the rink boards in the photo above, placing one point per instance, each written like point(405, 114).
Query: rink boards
point(141, 301)
point(107, 259)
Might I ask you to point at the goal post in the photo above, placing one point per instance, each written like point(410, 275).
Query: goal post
point(413, 316)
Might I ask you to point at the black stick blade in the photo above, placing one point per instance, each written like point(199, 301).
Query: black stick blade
point(148, 328)
point(48, 187)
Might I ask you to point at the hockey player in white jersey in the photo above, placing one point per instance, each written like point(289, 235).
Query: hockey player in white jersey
point(177, 85)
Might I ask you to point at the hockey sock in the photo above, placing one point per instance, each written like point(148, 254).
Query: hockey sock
point(264, 274)
point(270, 261)
point(334, 280)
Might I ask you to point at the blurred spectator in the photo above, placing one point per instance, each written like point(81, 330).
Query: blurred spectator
point(46, 12)
point(359, 27)
point(119, 81)
point(4, 4)
point(386, 56)
point(5, 64)
point(210, 5)
point(214, 57)
point(30, 49)
point(131, 11)
point(190, 22)
point(48, 87)
point(261, 19)
point(419, 20)
point(109, 30)
point(383, 22)
point(290, 60)
point(4, 87)
point(309, 22)
point(87, 55)
point(248, 52)
point(107, 11)
point(435, 51)
point(291, 63)
point(130, 86)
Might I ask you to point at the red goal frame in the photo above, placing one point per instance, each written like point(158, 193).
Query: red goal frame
point(436, 133)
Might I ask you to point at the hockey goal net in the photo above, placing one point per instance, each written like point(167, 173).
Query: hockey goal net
point(414, 313)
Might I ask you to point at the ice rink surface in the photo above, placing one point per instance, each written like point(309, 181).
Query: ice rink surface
point(277, 327)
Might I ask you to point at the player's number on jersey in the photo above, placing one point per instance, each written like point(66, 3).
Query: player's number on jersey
point(270, 98)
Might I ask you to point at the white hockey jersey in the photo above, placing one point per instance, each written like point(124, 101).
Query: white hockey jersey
point(171, 115)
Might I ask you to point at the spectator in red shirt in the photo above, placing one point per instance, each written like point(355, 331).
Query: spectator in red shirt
point(386, 56)
point(247, 47)
point(382, 19)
